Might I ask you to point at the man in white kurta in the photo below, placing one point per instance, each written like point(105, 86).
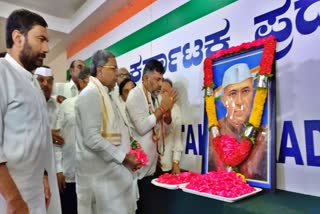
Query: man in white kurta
point(173, 144)
point(173, 139)
point(25, 143)
point(69, 89)
point(143, 122)
point(66, 153)
point(45, 78)
point(147, 112)
point(104, 182)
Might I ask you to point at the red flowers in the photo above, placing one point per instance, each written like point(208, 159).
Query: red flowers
point(269, 44)
point(222, 183)
point(140, 156)
point(230, 151)
point(208, 74)
point(183, 177)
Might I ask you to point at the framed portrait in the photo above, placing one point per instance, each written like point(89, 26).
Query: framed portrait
point(240, 111)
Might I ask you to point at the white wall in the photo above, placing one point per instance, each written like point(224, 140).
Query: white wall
point(59, 66)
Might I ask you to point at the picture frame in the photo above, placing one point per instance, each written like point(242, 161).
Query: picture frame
point(240, 111)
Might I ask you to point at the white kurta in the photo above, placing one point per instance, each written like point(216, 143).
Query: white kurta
point(121, 105)
point(104, 184)
point(66, 154)
point(53, 108)
point(173, 140)
point(143, 122)
point(25, 137)
point(67, 90)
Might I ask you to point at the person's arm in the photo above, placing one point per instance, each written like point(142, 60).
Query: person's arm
point(178, 145)
point(10, 192)
point(89, 119)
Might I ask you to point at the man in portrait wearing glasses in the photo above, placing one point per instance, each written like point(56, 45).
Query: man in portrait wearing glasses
point(103, 165)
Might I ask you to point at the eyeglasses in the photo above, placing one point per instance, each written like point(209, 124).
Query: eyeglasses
point(112, 67)
point(123, 75)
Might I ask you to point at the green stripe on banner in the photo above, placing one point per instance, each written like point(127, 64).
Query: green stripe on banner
point(183, 15)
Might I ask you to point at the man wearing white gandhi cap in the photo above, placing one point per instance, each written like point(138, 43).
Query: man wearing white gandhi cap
point(45, 78)
point(237, 97)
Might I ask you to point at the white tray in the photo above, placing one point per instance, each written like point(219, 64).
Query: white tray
point(167, 186)
point(221, 198)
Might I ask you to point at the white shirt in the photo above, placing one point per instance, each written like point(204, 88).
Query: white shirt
point(66, 154)
point(53, 109)
point(68, 89)
point(99, 165)
point(25, 138)
point(143, 122)
point(121, 106)
point(94, 154)
point(173, 140)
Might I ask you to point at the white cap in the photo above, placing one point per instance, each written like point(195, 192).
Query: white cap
point(236, 74)
point(47, 72)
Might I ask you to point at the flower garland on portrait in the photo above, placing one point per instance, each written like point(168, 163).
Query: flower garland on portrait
point(230, 151)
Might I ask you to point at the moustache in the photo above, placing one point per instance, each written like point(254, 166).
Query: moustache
point(42, 55)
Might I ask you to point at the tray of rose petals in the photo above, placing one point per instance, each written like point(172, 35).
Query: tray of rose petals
point(221, 185)
point(170, 181)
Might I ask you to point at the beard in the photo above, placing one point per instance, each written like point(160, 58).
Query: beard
point(30, 59)
point(155, 93)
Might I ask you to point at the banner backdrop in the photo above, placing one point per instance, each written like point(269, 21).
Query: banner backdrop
point(182, 33)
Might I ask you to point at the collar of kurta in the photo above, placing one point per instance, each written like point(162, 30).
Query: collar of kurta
point(72, 84)
point(18, 67)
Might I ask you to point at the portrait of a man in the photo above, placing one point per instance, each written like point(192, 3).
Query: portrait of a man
point(236, 97)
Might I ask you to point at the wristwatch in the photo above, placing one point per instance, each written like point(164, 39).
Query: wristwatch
point(175, 161)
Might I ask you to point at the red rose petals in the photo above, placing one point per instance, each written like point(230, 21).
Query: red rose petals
point(140, 156)
point(222, 183)
point(230, 151)
point(183, 177)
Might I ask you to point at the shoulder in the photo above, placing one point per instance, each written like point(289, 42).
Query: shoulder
point(88, 97)
point(5, 68)
point(68, 102)
point(88, 91)
point(134, 94)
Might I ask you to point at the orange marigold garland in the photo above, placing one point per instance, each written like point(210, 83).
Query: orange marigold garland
point(257, 110)
point(211, 109)
point(229, 150)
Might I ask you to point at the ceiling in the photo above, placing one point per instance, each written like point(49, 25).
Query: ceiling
point(68, 20)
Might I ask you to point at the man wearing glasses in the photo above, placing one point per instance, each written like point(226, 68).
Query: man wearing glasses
point(104, 178)
point(122, 74)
